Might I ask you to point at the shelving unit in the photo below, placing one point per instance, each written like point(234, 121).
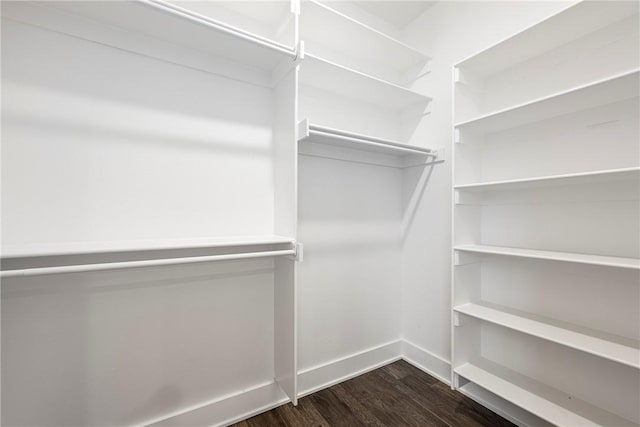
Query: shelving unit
point(550, 404)
point(361, 153)
point(545, 210)
point(130, 130)
point(367, 50)
point(605, 261)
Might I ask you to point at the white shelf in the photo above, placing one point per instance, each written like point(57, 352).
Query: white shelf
point(576, 21)
point(185, 33)
point(616, 88)
point(546, 402)
point(87, 248)
point(342, 32)
point(606, 261)
point(327, 75)
point(610, 175)
point(324, 135)
point(607, 346)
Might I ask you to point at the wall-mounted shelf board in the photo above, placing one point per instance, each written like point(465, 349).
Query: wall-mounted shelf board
point(330, 76)
point(610, 175)
point(574, 22)
point(345, 33)
point(614, 348)
point(323, 135)
point(546, 402)
point(265, 19)
point(86, 248)
point(616, 88)
point(605, 261)
point(114, 23)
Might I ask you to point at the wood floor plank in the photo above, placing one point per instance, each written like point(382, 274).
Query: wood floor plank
point(395, 395)
point(437, 397)
point(388, 404)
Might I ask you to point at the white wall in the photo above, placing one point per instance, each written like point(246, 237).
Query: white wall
point(449, 32)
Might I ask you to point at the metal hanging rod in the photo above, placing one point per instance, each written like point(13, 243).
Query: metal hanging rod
point(138, 264)
point(373, 143)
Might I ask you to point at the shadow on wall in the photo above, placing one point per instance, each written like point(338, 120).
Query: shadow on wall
point(416, 181)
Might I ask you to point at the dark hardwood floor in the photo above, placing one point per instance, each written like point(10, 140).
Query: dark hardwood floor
point(394, 395)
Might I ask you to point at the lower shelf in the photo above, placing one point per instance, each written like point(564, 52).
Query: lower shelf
point(541, 400)
point(617, 349)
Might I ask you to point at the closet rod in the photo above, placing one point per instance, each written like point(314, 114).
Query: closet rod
point(137, 264)
point(387, 146)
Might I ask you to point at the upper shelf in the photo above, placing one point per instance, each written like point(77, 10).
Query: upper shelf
point(353, 39)
point(606, 261)
point(613, 89)
point(87, 248)
point(158, 29)
point(575, 21)
point(611, 175)
point(324, 135)
point(330, 76)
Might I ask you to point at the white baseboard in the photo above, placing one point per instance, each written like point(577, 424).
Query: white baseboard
point(426, 361)
point(237, 407)
point(229, 409)
point(336, 371)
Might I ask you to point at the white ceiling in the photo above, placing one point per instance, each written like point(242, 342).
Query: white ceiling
point(397, 13)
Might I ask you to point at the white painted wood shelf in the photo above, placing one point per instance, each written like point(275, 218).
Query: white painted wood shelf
point(324, 135)
point(544, 401)
point(611, 175)
point(571, 23)
point(606, 261)
point(358, 39)
point(327, 75)
point(610, 347)
point(153, 21)
point(613, 89)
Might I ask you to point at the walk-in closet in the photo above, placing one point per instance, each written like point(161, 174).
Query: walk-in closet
point(320, 212)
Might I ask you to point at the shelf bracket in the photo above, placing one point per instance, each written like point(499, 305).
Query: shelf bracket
point(462, 258)
point(458, 320)
point(461, 197)
point(456, 136)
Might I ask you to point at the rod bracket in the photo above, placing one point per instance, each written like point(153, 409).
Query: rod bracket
point(299, 252)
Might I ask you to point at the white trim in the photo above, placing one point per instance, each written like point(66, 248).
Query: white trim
point(426, 361)
point(338, 370)
point(228, 409)
point(235, 407)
